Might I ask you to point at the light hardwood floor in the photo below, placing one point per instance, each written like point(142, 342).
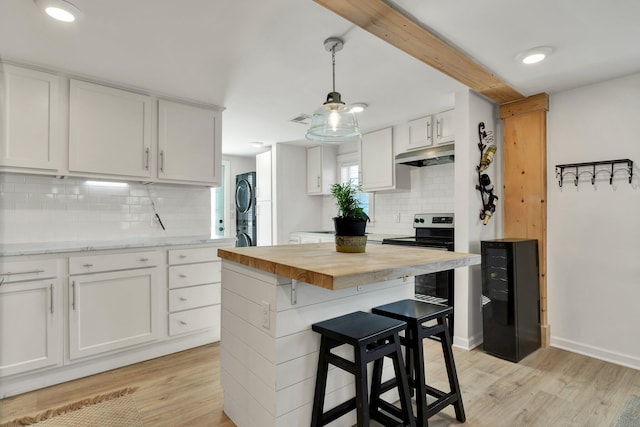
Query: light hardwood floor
point(551, 387)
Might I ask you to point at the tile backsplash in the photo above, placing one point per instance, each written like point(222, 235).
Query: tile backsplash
point(432, 191)
point(46, 209)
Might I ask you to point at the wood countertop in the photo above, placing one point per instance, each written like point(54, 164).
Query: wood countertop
point(319, 264)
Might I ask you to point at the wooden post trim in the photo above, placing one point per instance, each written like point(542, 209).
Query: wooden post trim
point(539, 102)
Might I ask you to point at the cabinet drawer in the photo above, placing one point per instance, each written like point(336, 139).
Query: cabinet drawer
point(193, 320)
point(194, 274)
point(188, 256)
point(196, 296)
point(20, 271)
point(96, 263)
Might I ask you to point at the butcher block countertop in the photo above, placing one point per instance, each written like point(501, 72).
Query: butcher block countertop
point(319, 264)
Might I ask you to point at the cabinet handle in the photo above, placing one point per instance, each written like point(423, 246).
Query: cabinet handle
point(146, 159)
point(87, 265)
point(8, 273)
point(144, 259)
point(161, 160)
point(318, 185)
point(51, 297)
point(182, 256)
point(183, 276)
point(73, 295)
point(182, 322)
point(2, 281)
point(438, 130)
point(182, 299)
point(429, 133)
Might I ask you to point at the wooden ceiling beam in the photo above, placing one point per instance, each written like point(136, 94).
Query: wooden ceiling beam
point(382, 20)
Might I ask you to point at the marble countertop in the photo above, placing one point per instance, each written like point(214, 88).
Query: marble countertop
point(319, 264)
point(40, 248)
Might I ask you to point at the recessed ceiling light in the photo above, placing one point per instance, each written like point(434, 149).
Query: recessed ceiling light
point(534, 55)
point(257, 144)
point(358, 107)
point(59, 9)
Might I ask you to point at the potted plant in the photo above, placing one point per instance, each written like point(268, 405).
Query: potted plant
point(351, 222)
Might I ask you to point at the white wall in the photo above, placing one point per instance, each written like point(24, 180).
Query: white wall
point(471, 109)
point(593, 249)
point(47, 209)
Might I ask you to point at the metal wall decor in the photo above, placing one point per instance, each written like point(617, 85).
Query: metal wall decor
point(487, 153)
point(592, 169)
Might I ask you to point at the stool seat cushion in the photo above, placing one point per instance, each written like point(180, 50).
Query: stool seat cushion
point(412, 310)
point(359, 327)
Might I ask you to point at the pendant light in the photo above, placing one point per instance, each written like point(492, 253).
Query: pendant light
point(333, 121)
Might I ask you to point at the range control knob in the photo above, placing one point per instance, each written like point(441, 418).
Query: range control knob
point(416, 220)
point(421, 220)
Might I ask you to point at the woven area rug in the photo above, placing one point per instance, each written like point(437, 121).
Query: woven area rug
point(116, 409)
point(630, 415)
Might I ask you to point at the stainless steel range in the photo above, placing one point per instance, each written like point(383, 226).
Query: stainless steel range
point(432, 231)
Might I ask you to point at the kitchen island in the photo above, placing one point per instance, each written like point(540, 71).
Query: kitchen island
point(270, 298)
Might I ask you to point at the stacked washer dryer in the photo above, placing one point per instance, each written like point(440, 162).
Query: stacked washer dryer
point(246, 209)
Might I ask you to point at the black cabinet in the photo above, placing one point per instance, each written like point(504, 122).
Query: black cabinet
point(510, 298)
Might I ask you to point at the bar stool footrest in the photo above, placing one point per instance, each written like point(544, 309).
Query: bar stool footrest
point(441, 403)
point(385, 419)
point(340, 410)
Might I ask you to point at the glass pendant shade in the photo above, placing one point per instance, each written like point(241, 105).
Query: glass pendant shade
point(333, 122)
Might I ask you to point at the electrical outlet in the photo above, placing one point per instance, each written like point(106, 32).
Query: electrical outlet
point(266, 315)
point(359, 288)
point(396, 217)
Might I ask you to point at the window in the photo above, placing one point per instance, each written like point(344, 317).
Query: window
point(349, 173)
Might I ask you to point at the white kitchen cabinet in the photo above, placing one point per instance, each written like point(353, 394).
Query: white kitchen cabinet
point(263, 176)
point(189, 143)
point(321, 169)
point(29, 120)
point(379, 171)
point(444, 127)
point(264, 213)
point(109, 131)
point(420, 133)
point(31, 317)
point(264, 216)
point(113, 310)
point(194, 291)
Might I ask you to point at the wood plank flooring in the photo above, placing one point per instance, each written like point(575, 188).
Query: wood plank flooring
point(551, 387)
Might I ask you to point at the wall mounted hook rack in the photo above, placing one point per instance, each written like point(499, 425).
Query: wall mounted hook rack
point(577, 169)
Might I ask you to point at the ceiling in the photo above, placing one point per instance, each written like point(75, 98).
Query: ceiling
point(264, 61)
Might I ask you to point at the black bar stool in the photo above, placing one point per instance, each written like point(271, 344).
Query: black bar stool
point(415, 313)
point(373, 337)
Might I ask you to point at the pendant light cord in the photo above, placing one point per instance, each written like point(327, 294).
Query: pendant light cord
point(333, 60)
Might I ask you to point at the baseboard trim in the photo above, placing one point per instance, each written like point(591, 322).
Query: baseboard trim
point(468, 343)
point(596, 352)
point(22, 383)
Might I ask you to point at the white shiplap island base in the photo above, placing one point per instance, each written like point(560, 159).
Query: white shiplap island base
point(270, 298)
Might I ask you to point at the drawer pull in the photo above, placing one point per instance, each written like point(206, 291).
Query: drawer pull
point(144, 259)
point(182, 322)
point(182, 256)
point(183, 276)
point(8, 273)
point(87, 265)
point(182, 299)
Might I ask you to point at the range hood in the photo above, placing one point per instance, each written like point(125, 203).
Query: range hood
point(430, 156)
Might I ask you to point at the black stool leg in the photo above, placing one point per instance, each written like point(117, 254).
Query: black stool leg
point(403, 383)
point(321, 384)
point(445, 339)
point(420, 377)
point(376, 382)
point(362, 392)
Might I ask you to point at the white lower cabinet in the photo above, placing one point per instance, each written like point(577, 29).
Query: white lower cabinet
point(112, 311)
point(194, 291)
point(30, 326)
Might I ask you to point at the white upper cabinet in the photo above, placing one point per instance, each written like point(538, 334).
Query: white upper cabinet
point(444, 127)
point(189, 147)
point(420, 133)
point(321, 169)
point(109, 131)
point(29, 119)
point(379, 171)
